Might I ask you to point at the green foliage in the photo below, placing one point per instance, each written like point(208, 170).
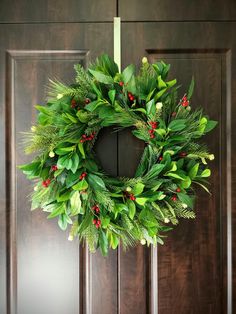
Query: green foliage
point(69, 183)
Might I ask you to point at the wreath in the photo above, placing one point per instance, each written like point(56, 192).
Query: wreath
point(69, 183)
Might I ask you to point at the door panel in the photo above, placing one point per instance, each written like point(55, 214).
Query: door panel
point(42, 264)
point(194, 263)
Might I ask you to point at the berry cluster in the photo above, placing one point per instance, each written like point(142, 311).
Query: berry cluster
point(86, 138)
point(184, 101)
point(129, 195)
point(46, 183)
point(73, 103)
point(83, 175)
point(131, 97)
point(96, 209)
point(97, 223)
point(154, 126)
point(174, 197)
point(54, 168)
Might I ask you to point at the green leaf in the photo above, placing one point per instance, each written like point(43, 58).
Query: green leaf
point(62, 222)
point(96, 182)
point(63, 161)
point(30, 167)
point(202, 125)
point(138, 188)
point(185, 199)
point(175, 175)
point(93, 105)
point(114, 241)
point(81, 185)
point(171, 83)
point(155, 170)
point(160, 241)
point(211, 124)
point(64, 150)
point(193, 171)
point(102, 78)
point(119, 207)
point(160, 93)
point(59, 209)
point(206, 173)
point(160, 83)
point(103, 242)
point(186, 183)
point(44, 110)
point(141, 200)
point(81, 149)
point(128, 73)
point(191, 89)
point(151, 108)
point(64, 197)
point(177, 125)
point(75, 163)
point(70, 117)
point(112, 95)
point(132, 208)
point(72, 178)
point(75, 203)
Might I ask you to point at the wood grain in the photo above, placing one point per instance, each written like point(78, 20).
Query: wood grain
point(183, 10)
point(55, 11)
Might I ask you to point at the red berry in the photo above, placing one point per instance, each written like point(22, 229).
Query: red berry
point(174, 198)
point(151, 131)
point(73, 103)
point(48, 181)
point(182, 154)
point(160, 158)
point(153, 124)
point(87, 101)
point(152, 136)
point(54, 168)
point(44, 184)
point(178, 190)
point(94, 221)
point(121, 83)
point(132, 197)
point(84, 135)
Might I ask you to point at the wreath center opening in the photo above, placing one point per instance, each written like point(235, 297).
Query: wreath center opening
point(119, 152)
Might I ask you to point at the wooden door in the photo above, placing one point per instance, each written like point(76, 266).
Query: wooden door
point(41, 272)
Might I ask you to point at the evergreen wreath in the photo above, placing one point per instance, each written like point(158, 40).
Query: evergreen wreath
point(70, 185)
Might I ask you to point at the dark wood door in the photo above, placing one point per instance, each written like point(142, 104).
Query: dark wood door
point(41, 272)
